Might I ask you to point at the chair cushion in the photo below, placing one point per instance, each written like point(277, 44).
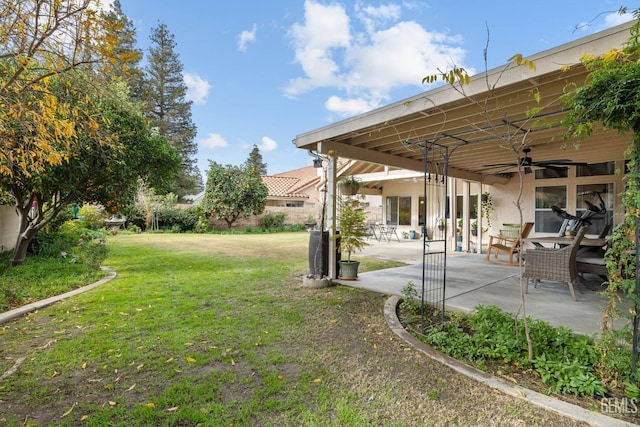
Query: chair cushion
point(590, 259)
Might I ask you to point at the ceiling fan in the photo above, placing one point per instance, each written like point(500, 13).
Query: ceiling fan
point(527, 163)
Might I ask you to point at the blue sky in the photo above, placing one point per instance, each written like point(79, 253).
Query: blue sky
point(261, 72)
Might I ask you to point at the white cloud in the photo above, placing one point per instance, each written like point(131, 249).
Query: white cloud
point(349, 107)
point(267, 144)
point(325, 30)
point(366, 64)
point(197, 88)
point(614, 19)
point(213, 140)
point(372, 17)
point(246, 37)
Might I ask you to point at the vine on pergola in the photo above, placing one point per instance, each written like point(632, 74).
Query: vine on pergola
point(611, 97)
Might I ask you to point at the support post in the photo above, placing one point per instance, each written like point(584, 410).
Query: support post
point(331, 214)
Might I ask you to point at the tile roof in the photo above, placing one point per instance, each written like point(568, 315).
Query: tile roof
point(291, 183)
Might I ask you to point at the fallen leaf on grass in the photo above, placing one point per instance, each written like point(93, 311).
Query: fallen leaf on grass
point(84, 418)
point(132, 387)
point(173, 409)
point(69, 411)
point(151, 405)
point(84, 365)
point(122, 313)
point(190, 359)
point(112, 403)
point(317, 380)
point(169, 360)
point(233, 362)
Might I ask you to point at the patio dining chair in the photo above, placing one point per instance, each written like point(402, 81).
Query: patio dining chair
point(554, 264)
point(510, 245)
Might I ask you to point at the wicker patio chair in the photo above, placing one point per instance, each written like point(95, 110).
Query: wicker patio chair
point(511, 245)
point(554, 264)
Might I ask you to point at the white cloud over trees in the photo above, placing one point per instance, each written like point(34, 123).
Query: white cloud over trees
point(366, 55)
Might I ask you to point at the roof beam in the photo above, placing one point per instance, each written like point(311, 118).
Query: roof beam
point(351, 152)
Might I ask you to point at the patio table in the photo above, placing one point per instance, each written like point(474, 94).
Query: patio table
point(585, 244)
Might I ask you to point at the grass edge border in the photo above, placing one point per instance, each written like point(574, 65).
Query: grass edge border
point(28, 308)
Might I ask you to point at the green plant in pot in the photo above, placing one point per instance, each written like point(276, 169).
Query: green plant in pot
point(349, 186)
point(486, 207)
point(353, 234)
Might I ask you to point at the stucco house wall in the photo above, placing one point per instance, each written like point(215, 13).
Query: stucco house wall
point(8, 228)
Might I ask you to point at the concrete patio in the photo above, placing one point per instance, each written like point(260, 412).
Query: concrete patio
point(471, 280)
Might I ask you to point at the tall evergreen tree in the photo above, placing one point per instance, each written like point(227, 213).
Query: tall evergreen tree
point(255, 162)
point(166, 106)
point(125, 56)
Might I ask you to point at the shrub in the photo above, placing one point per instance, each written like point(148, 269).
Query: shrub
point(176, 219)
point(271, 221)
point(90, 253)
point(58, 243)
point(567, 365)
point(202, 226)
point(90, 217)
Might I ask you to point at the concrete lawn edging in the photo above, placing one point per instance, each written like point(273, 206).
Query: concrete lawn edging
point(549, 403)
point(28, 308)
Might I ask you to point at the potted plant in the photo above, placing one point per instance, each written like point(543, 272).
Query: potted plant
point(486, 207)
point(412, 234)
point(310, 222)
point(349, 186)
point(474, 227)
point(442, 224)
point(353, 232)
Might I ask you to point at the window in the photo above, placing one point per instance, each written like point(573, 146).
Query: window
point(548, 173)
point(295, 204)
point(398, 210)
point(546, 221)
point(596, 169)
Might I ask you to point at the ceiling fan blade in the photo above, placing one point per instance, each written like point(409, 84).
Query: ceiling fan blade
point(528, 164)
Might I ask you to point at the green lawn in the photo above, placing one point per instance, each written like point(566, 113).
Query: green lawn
point(216, 330)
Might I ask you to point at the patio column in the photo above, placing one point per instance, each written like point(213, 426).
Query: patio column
point(453, 209)
point(466, 214)
point(331, 214)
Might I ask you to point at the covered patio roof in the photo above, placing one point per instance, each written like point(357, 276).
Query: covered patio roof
point(388, 138)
